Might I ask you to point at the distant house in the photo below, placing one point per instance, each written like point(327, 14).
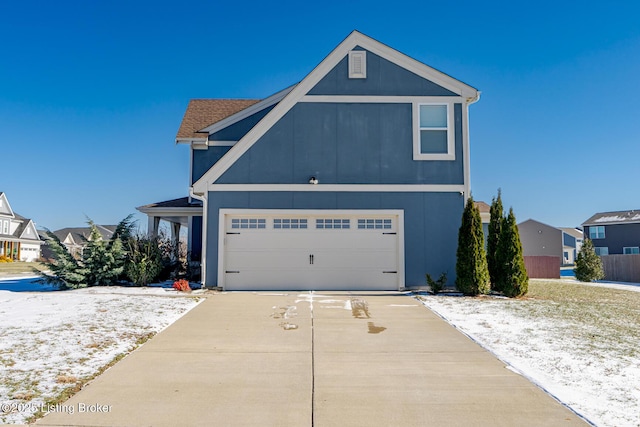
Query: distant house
point(539, 239)
point(485, 217)
point(546, 248)
point(354, 178)
point(572, 239)
point(18, 236)
point(75, 239)
point(614, 232)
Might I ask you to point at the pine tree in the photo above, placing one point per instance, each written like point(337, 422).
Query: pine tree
point(471, 264)
point(67, 270)
point(103, 261)
point(495, 229)
point(588, 264)
point(512, 275)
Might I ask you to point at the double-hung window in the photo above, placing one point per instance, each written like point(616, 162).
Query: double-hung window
point(633, 250)
point(433, 134)
point(596, 232)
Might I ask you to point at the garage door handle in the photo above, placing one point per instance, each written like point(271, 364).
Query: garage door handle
point(382, 233)
point(232, 271)
point(311, 259)
point(228, 232)
point(390, 272)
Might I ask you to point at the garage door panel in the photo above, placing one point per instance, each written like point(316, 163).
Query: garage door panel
point(265, 258)
point(297, 252)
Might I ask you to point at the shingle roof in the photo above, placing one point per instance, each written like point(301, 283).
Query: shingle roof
point(205, 112)
point(619, 217)
point(482, 206)
point(182, 202)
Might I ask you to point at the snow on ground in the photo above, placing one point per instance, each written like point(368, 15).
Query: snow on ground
point(601, 383)
point(52, 339)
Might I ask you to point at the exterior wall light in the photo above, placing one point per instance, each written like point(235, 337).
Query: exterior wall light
point(313, 180)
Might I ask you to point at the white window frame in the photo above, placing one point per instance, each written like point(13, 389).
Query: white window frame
point(594, 231)
point(5, 227)
point(451, 137)
point(629, 250)
point(600, 249)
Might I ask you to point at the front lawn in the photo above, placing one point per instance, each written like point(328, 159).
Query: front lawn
point(578, 342)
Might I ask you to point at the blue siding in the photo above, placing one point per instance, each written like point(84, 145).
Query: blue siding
point(346, 144)
point(383, 78)
point(204, 159)
point(568, 240)
point(617, 237)
point(239, 129)
point(431, 223)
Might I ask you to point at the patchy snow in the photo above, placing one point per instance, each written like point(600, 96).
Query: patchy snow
point(52, 339)
point(601, 383)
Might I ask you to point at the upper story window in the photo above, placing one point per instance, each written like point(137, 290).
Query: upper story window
point(5, 227)
point(596, 232)
point(433, 134)
point(601, 250)
point(631, 250)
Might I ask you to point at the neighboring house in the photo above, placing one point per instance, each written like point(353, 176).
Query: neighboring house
point(354, 178)
point(75, 239)
point(614, 232)
point(18, 236)
point(572, 239)
point(539, 239)
point(485, 218)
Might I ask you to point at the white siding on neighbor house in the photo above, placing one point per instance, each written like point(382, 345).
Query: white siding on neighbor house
point(29, 253)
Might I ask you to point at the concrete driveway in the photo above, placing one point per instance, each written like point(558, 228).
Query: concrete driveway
point(311, 359)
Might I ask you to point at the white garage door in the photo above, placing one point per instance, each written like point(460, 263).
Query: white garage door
point(294, 251)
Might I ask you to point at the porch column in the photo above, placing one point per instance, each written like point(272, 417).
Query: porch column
point(175, 232)
point(153, 225)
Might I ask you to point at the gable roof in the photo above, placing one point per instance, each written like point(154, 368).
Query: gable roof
point(578, 234)
point(618, 217)
point(205, 112)
point(5, 207)
point(81, 234)
point(355, 39)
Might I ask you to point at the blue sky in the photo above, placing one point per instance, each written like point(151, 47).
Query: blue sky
point(92, 93)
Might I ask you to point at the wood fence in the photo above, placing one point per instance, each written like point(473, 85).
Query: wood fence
point(621, 268)
point(542, 267)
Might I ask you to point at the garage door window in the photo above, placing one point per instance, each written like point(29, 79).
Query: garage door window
point(332, 223)
point(289, 223)
point(237, 223)
point(374, 224)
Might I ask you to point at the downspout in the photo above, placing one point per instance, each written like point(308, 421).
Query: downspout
point(203, 253)
point(467, 154)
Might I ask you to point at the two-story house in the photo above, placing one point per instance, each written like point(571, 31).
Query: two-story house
point(19, 239)
point(614, 232)
point(354, 178)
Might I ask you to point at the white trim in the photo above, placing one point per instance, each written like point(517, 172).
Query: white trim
point(353, 56)
point(403, 188)
point(378, 99)
point(302, 88)
point(197, 141)
point(630, 247)
point(451, 134)
point(247, 112)
point(223, 212)
point(221, 143)
point(10, 214)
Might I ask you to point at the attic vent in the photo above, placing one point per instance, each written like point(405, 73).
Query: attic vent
point(357, 64)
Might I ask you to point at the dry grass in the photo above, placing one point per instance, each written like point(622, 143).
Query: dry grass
point(602, 318)
point(8, 268)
